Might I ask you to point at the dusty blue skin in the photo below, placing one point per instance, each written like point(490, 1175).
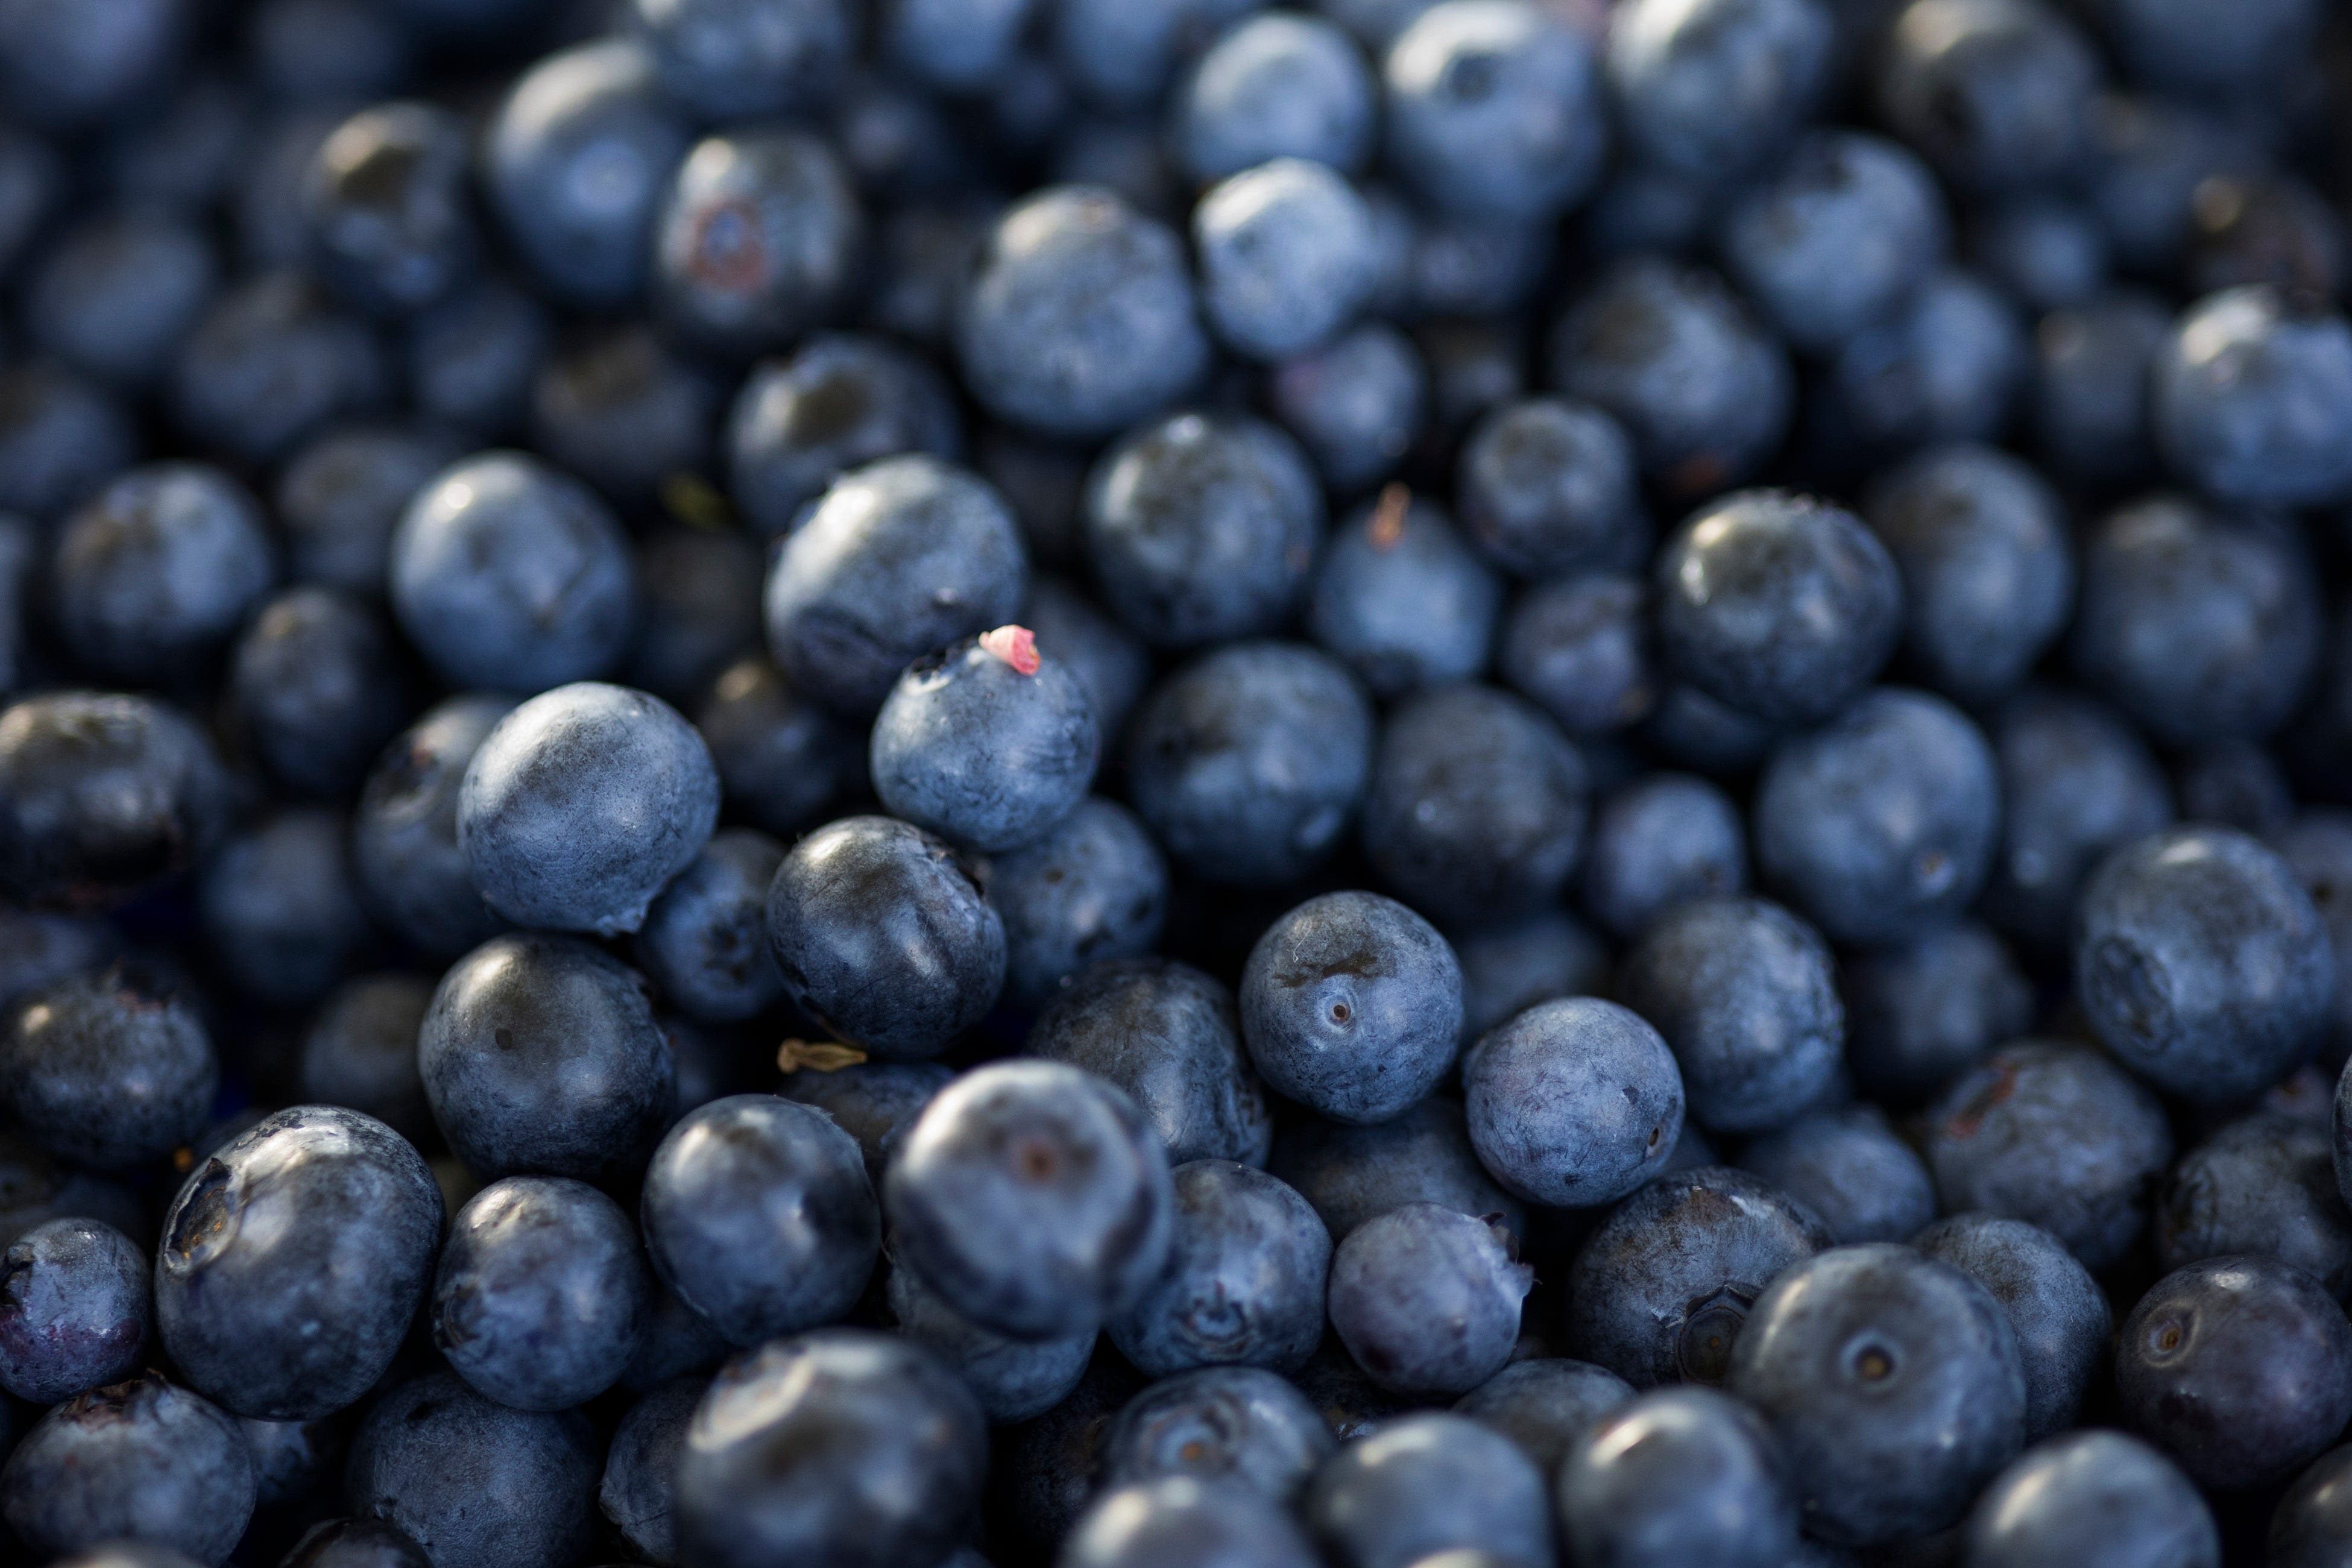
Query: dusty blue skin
point(541, 1293)
point(1248, 763)
point(1356, 402)
point(2239, 1368)
point(1848, 1166)
point(1709, 88)
point(1241, 1424)
point(781, 757)
point(2063, 1325)
point(758, 1215)
point(1032, 1198)
point(1546, 485)
point(1778, 604)
point(388, 208)
point(1658, 843)
point(639, 1490)
point(1093, 889)
point(840, 401)
point(2056, 1135)
point(883, 935)
point(2202, 963)
point(2091, 1498)
point(475, 1484)
point(780, 1452)
point(969, 747)
point(705, 937)
point(109, 1070)
point(1352, 1004)
point(1838, 238)
point(1742, 990)
point(1202, 528)
point(541, 1054)
point(1919, 1015)
point(1425, 1484)
point(1546, 1405)
point(293, 1260)
point(900, 557)
point(69, 761)
point(1894, 1383)
point(1427, 1299)
point(1403, 600)
point(1243, 1283)
point(2264, 1185)
point(1288, 257)
point(279, 909)
point(2310, 1525)
point(1079, 317)
point(405, 851)
point(1422, 1155)
point(873, 1102)
point(1572, 1103)
point(1661, 1290)
point(76, 1309)
point(1167, 1034)
point(510, 575)
point(317, 688)
point(1274, 86)
point(1580, 646)
point(573, 166)
point(144, 1459)
point(158, 569)
point(1012, 1379)
point(582, 805)
point(1182, 1521)
point(1506, 969)
point(2250, 397)
point(758, 238)
point(1680, 1475)
point(1527, 143)
point(725, 61)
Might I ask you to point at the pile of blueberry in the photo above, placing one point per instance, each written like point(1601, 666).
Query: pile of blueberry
point(1175, 783)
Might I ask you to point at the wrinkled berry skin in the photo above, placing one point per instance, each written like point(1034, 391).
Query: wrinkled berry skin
point(780, 1453)
point(1427, 1299)
point(2063, 1322)
point(109, 1070)
point(1680, 1475)
point(1422, 1155)
point(1894, 1383)
point(475, 1484)
point(293, 1261)
point(541, 1294)
point(1425, 1484)
point(1661, 1290)
point(2202, 963)
point(884, 935)
point(1243, 1283)
point(582, 805)
point(2091, 1497)
point(2240, 1368)
point(1572, 1103)
point(758, 1215)
point(541, 1054)
point(1238, 1424)
point(1033, 1198)
point(1351, 1004)
point(969, 747)
point(101, 795)
point(1168, 1035)
point(142, 1460)
point(76, 1309)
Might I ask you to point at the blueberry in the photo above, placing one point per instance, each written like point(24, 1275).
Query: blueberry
point(705, 937)
point(1426, 1484)
point(1352, 1173)
point(271, 363)
point(508, 574)
point(2258, 229)
point(1920, 1014)
point(884, 934)
point(1987, 569)
point(388, 207)
point(1742, 991)
point(677, 1342)
point(2240, 1368)
point(837, 402)
point(1781, 605)
point(1358, 403)
point(1582, 647)
point(1506, 969)
point(279, 908)
point(39, 949)
point(726, 60)
point(758, 239)
point(340, 498)
point(19, 565)
point(1276, 84)
point(2088, 403)
point(110, 1069)
point(159, 570)
point(2308, 1528)
point(1495, 109)
point(1013, 1380)
point(76, 1309)
point(1240, 1425)
point(1093, 889)
point(2201, 962)
point(2264, 1185)
point(1680, 1475)
point(1838, 238)
point(471, 359)
point(1180, 1519)
point(65, 68)
point(1995, 93)
point(142, 1459)
point(1572, 1103)
point(1657, 844)
point(621, 411)
point(1426, 1298)
point(2237, 784)
point(1243, 1283)
point(781, 757)
point(141, 1554)
point(701, 610)
point(2318, 847)
point(1403, 600)
point(955, 44)
point(900, 557)
point(2246, 395)
point(1546, 1405)
point(639, 1490)
point(758, 1215)
point(1705, 88)
point(1047, 1469)
point(2062, 1320)
point(1287, 253)
point(359, 1053)
point(1248, 763)
point(1948, 366)
point(541, 1054)
point(475, 1484)
point(1167, 1035)
point(2049, 252)
point(1121, 53)
point(405, 830)
point(319, 688)
point(2056, 1135)
point(1546, 485)
point(115, 296)
point(348, 1543)
point(1848, 1168)
point(2091, 1498)
point(777, 1459)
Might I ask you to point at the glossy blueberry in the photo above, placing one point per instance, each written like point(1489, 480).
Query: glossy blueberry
point(273, 362)
point(705, 937)
point(114, 296)
point(317, 688)
point(1572, 1103)
point(1506, 969)
point(110, 1068)
point(2264, 1185)
point(359, 1053)
point(1837, 238)
point(988, 743)
point(758, 239)
point(1180, 1519)
point(1707, 89)
point(2240, 1368)
point(884, 934)
point(61, 437)
point(873, 1102)
point(340, 498)
point(1424, 1484)
point(1680, 1475)
point(475, 1484)
point(1093, 889)
point(1920, 1014)
point(638, 1491)
point(75, 1310)
point(1544, 486)
point(471, 359)
point(1495, 109)
point(1995, 93)
point(2056, 1135)
point(388, 207)
point(2062, 1320)
point(2091, 1498)
point(1013, 1380)
point(159, 571)
point(1276, 84)
point(2309, 1528)
point(1426, 1298)
point(1166, 1034)
point(1742, 991)
point(620, 409)
point(900, 557)
point(724, 59)
point(777, 1459)
point(1288, 257)
point(142, 1460)
point(279, 908)
point(1660, 843)
point(1403, 600)
point(2201, 962)
point(1248, 763)
point(781, 758)
point(405, 849)
point(1241, 1424)
point(2248, 397)
point(839, 401)
point(1849, 1168)
point(2088, 400)
point(541, 1054)
point(293, 1260)
point(101, 795)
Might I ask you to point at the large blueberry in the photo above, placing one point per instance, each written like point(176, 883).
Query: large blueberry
point(1426, 1298)
point(2063, 1322)
point(1426, 1484)
point(2091, 1498)
point(144, 1459)
point(475, 1484)
point(77, 1310)
point(112, 1068)
point(1574, 1103)
point(1243, 1284)
point(1168, 1035)
point(1240, 1424)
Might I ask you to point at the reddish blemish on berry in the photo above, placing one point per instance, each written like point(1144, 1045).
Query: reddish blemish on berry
point(1016, 645)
